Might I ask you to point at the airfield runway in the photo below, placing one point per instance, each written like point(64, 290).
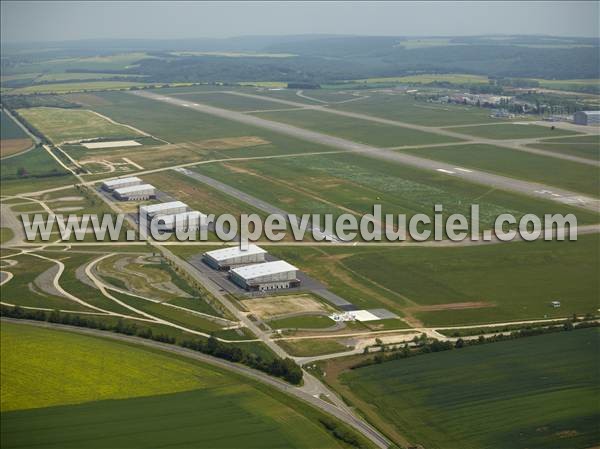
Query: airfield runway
point(494, 181)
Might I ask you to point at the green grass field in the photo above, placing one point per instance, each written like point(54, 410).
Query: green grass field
point(61, 125)
point(585, 146)
point(513, 281)
point(513, 131)
point(74, 76)
point(65, 88)
point(5, 234)
point(339, 183)
point(114, 62)
point(229, 101)
point(518, 164)
point(406, 108)
point(309, 348)
point(362, 131)
point(25, 272)
point(454, 78)
point(193, 130)
point(33, 170)
point(63, 390)
point(536, 392)
point(302, 322)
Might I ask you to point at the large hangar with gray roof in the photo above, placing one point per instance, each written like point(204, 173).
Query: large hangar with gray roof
point(266, 276)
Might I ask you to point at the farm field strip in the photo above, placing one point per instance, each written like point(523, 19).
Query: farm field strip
point(514, 377)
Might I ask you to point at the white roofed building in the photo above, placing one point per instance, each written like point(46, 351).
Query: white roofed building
point(266, 276)
point(225, 258)
point(587, 118)
point(172, 207)
point(191, 221)
point(135, 193)
point(120, 183)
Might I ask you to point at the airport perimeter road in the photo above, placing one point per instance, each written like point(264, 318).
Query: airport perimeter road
point(343, 414)
point(494, 181)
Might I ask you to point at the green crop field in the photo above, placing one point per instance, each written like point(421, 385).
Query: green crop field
point(406, 108)
point(12, 138)
point(585, 146)
point(513, 131)
point(9, 129)
point(61, 125)
point(362, 131)
point(30, 171)
point(503, 282)
point(536, 392)
point(518, 164)
point(64, 390)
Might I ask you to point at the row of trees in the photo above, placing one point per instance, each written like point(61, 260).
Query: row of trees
point(424, 345)
point(286, 369)
point(283, 368)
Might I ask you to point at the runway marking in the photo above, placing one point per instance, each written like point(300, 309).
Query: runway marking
point(463, 169)
point(445, 171)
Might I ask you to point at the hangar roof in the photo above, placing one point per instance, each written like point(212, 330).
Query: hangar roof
point(264, 269)
point(121, 181)
point(131, 189)
point(234, 251)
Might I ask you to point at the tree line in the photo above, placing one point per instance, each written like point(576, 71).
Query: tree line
point(423, 345)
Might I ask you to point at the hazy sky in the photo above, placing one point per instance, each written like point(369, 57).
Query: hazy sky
point(52, 21)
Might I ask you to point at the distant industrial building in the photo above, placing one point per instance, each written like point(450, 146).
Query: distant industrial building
point(191, 221)
point(587, 118)
point(135, 193)
point(170, 208)
point(224, 259)
point(113, 184)
point(266, 276)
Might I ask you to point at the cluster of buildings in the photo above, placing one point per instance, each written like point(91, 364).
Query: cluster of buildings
point(485, 100)
point(129, 189)
point(249, 269)
point(170, 216)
